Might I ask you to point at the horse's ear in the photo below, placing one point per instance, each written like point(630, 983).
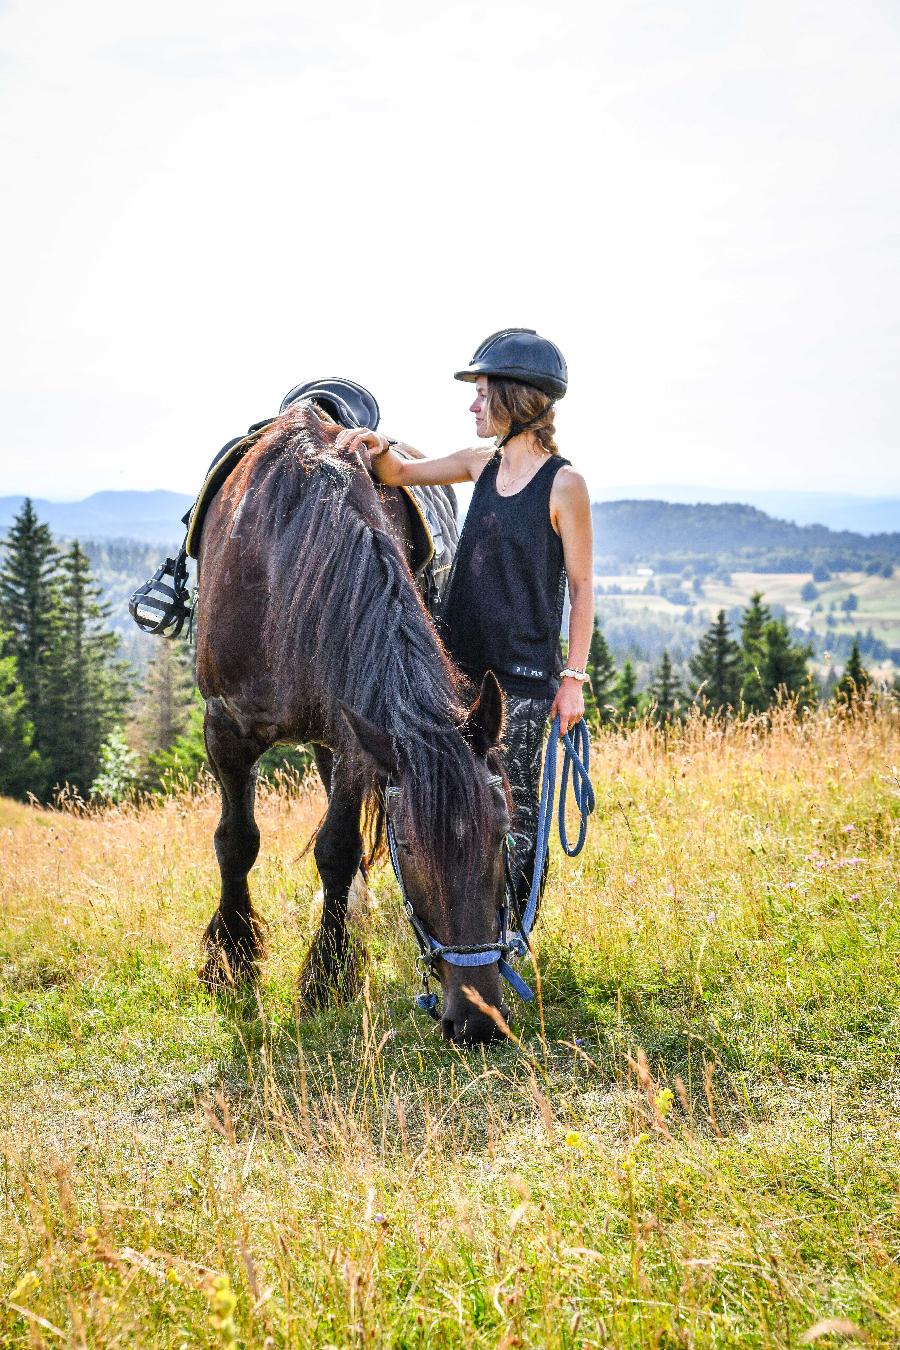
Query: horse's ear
point(373, 742)
point(484, 723)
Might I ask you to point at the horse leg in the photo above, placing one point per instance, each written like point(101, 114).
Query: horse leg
point(332, 971)
point(234, 934)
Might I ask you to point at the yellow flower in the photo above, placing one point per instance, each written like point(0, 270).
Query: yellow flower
point(26, 1285)
point(664, 1101)
point(573, 1139)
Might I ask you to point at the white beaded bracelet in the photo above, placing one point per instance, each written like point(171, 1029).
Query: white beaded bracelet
point(569, 674)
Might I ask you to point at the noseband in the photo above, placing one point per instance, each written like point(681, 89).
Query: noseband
point(576, 757)
point(456, 954)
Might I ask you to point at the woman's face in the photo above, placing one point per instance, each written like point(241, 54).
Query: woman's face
point(482, 426)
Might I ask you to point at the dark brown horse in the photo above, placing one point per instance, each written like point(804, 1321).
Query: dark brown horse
point(310, 628)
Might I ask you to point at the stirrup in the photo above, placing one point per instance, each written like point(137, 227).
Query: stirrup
point(158, 607)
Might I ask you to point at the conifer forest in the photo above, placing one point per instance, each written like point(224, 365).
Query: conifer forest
point(80, 719)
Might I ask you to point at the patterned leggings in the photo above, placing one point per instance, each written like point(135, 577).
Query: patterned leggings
point(523, 743)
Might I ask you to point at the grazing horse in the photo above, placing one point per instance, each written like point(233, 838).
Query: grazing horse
point(310, 628)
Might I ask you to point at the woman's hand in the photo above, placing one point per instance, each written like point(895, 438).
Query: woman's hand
point(569, 704)
point(363, 442)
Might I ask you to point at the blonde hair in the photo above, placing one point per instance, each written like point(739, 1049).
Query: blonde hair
point(510, 403)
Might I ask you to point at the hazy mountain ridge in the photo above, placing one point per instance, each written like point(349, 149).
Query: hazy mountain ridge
point(151, 517)
point(155, 517)
point(692, 549)
point(670, 534)
point(836, 510)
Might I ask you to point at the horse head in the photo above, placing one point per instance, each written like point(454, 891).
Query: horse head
point(456, 893)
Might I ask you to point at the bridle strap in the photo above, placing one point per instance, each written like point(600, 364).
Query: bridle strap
point(576, 756)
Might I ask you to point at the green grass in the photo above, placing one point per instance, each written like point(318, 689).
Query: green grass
point(693, 1141)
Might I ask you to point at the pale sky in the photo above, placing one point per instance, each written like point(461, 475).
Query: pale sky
point(205, 203)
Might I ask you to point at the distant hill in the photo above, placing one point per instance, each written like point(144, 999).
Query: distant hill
point(127, 534)
point(668, 535)
point(155, 517)
point(837, 510)
point(152, 517)
point(664, 534)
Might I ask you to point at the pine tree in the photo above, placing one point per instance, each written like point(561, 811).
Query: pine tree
point(855, 680)
point(28, 608)
point(785, 671)
point(754, 695)
point(665, 691)
point(716, 667)
point(626, 692)
point(599, 695)
point(164, 707)
point(21, 770)
point(184, 760)
point(88, 687)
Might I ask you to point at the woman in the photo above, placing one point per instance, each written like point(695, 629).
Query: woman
point(527, 531)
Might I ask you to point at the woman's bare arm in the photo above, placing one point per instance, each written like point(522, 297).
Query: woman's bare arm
point(570, 514)
point(463, 466)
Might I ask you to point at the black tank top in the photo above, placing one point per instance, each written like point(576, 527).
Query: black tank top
point(504, 604)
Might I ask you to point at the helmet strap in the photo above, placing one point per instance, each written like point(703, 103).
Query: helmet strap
point(517, 428)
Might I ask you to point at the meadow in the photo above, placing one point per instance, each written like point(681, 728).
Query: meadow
point(877, 597)
point(692, 1138)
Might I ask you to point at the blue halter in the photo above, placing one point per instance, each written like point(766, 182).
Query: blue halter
point(576, 758)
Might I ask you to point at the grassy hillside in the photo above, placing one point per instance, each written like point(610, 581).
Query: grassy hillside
point(643, 614)
point(694, 1142)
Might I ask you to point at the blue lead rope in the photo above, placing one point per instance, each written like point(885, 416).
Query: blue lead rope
point(576, 759)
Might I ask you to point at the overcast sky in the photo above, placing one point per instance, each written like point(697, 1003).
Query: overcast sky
point(205, 203)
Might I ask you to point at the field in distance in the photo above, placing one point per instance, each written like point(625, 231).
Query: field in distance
point(843, 605)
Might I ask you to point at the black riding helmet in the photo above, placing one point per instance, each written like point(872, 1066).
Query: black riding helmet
point(520, 354)
point(347, 402)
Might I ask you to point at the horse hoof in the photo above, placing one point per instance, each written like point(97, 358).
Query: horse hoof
point(328, 979)
point(222, 970)
point(230, 959)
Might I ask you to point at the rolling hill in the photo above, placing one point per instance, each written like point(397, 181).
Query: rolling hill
point(151, 517)
point(667, 535)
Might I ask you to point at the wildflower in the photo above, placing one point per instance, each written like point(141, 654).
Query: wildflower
point(29, 1282)
point(573, 1139)
point(579, 1040)
point(663, 1101)
point(223, 1300)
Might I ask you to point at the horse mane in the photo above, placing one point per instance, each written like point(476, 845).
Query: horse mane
point(347, 608)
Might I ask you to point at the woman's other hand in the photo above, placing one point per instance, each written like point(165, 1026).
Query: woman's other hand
point(569, 704)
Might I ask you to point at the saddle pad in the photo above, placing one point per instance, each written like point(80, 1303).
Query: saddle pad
point(224, 464)
point(432, 515)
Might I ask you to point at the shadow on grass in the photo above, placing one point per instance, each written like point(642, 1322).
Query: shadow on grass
point(377, 1069)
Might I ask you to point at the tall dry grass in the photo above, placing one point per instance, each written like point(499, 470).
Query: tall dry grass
point(693, 1141)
